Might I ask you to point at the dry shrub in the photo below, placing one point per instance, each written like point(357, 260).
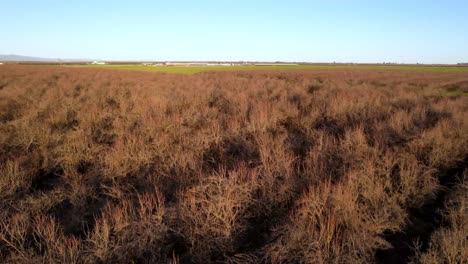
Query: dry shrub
point(345, 222)
point(232, 151)
point(238, 167)
point(215, 212)
point(219, 101)
point(129, 156)
point(54, 246)
point(14, 235)
point(341, 223)
point(278, 179)
point(10, 110)
point(449, 244)
point(412, 181)
point(443, 146)
point(330, 157)
point(131, 231)
point(13, 178)
point(102, 131)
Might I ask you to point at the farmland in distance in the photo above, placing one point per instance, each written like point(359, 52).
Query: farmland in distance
point(259, 164)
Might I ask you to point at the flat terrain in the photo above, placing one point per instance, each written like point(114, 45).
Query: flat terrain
point(196, 69)
point(278, 165)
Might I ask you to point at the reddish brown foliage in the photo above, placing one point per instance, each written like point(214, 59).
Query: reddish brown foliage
point(275, 167)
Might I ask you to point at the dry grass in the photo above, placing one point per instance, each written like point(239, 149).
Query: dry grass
point(450, 244)
point(102, 166)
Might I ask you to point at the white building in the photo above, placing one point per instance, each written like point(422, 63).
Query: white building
point(275, 64)
point(219, 64)
point(98, 62)
point(1, 63)
point(185, 63)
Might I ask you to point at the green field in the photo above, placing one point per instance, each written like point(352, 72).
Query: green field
point(197, 69)
point(456, 93)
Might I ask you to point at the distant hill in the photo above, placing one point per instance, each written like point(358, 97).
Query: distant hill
point(20, 58)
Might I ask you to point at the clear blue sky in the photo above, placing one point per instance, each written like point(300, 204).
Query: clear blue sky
point(425, 31)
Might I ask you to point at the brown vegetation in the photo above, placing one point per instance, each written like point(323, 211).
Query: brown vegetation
point(102, 166)
point(449, 244)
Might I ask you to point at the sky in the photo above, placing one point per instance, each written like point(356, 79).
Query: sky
point(409, 31)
